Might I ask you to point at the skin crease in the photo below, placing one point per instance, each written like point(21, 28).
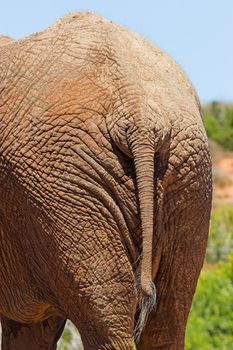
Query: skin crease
point(105, 184)
point(5, 40)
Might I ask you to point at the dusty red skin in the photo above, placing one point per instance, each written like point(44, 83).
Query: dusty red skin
point(105, 185)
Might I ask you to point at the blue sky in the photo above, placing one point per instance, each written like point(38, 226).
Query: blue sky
point(198, 34)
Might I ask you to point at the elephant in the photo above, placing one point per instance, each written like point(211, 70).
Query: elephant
point(105, 187)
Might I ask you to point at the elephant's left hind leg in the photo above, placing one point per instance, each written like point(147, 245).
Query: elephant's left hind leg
point(37, 336)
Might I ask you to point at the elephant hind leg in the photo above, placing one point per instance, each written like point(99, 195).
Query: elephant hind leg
point(113, 342)
point(37, 336)
point(177, 278)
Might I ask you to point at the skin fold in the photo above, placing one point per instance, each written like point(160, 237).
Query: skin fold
point(105, 189)
point(5, 40)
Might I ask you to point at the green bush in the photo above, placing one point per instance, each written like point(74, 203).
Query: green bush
point(220, 241)
point(70, 339)
point(210, 323)
point(219, 126)
point(211, 126)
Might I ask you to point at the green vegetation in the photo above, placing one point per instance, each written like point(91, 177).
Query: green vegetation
point(220, 241)
point(218, 121)
point(211, 319)
point(70, 338)
point(210, 324)
point(66, 339)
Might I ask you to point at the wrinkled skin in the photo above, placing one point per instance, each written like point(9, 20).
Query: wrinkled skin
point(105, 184)
point(5, 40)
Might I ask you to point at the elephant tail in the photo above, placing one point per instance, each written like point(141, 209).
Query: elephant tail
point(141, 143)
point(144, 160)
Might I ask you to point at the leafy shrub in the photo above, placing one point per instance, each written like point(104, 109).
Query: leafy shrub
point(70, 339)
point(221, 234)
point(210, 322)
point(219, 126)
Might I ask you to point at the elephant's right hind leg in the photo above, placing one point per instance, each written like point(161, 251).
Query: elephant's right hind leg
point(37, 336)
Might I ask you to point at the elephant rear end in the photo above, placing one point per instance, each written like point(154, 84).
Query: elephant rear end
point(109, 171)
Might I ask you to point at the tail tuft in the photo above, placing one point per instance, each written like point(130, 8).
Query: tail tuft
point(147, 304)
